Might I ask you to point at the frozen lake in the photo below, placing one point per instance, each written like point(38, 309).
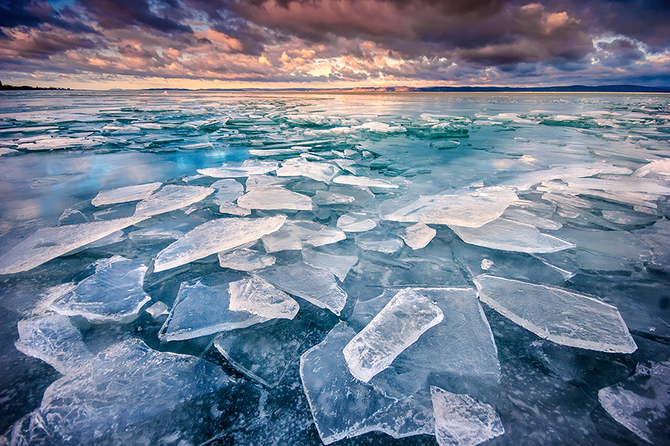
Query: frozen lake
point(186, 268)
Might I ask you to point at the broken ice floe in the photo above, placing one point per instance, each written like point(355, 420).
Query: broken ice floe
point(527, 180)
point(245, 260)
point(404, 319)
point(297, 167)
point(642, 402)
point(49, 243)
point(215, 236)
point(125, 194)
point(203, 306)
point(356, 222)
point(248, 168)
point(112, 294)
point(460, 420)
point(325, 198)
point(380, 242)
point(123, 385)
point(54, 340)
point(418, 236)
point(157, 310)
point(563, 317)
point(352, 180)
point(295, 234)
point(315, 285)
point(463, 207)
point(255, 181)
point(171, 198)
point(339, 265)
point(659, 166)
point(227, 190)
point(269, 198)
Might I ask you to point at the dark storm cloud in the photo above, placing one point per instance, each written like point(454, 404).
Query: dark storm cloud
point(114, 14)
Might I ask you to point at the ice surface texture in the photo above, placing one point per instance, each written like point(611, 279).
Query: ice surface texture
point(245, 260)
point(274, 198)
point(556, 314)
point(418, 236)
point(171, 198)
point(295, 234)
point(248, 168)
point(113, 294)
point(336, 264)
point(404, 319)
point(299, 167)
point(215, 236)
point(125, 194)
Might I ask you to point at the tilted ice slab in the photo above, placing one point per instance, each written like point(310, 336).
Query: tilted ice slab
point(123, 385)
point(54, 340)
point(227, 190)
point(352, 180)
point(460, 420)
point(113, 294)
point(325, 198)
point(508, 235)
point(563, 317)
point(315, 285)
point(339, 265)
point(527, 180)
point(529, 218)
point(404, 319)
point(345, 407)
point(295, 234)
point(255, 181)
point(640, 400)
point(203, 308)
point(245, 259)
point(125, 194)
point(49, 243)
point(383, 242)
point(171, 229)
point(171, 198)
point(463, 207)
point(272, 198)
point(299, 167)
point(619, 185)
point(418, 236)
point(355, 222)
point(248, 168)
point(660, 166)
point(213, 237)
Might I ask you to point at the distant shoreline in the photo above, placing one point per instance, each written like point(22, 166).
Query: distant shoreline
point(28, 87)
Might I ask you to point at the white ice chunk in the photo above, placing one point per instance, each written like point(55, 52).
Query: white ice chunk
point(508, 235)
point(157, 310)
point(233, 209)
point(384, 242)
point(323, 197)
point(352, 180)
point(271, 198)
point(256, 296)
point(619, 185)
point(125, 194)
point(296, 234)
point(171, 198)
point(460, 420)
point(640, 400)
point(463, 207)
point(529, 218)
point(248, 168)
point(563, 317)
point(54, 340)
point(165, 230)
point(356, 222)
point(380, 127)
point(123, 385)
point(336, 264)
point(255, 181)
point(315, 285)
point(213, 237)
point(227, 190)
point(418, 236)
point(299, 167)
point(113, 294)
point(660, 166)
point(527, 180)
point(49, 243)
point(400, 324)
point(245, 259)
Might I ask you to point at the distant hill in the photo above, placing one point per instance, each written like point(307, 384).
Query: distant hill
point(27, 87)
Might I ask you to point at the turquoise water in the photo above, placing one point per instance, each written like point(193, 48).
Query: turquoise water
point(555, 193)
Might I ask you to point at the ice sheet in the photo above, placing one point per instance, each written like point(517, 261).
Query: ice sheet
point(418, 236)
point(125, 194)
point(245, 259)
point(269, 198)
point(295, 234)
point(171, 198)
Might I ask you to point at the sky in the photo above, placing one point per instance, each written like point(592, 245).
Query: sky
point(104, 44)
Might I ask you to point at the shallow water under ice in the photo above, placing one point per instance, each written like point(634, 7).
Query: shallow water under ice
point(268, 268)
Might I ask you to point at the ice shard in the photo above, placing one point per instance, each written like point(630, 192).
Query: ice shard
point(112, 294)
point(245, 259)
point(339, 265)
point(326, 198)
point(297, 167)
point(508, 235)
point(271, 198)
point(256, 296)
point(171, 198)
point(460, 420)
point(315, 285)
point(352, 180)
point(464, 207)
point(404, 319)
point(356, 222)
point(49, 243)
point(215, 236)
point(295, 234)
point(418, 236)
point(54, 340)
point(227, 190)
point(248, 168)
point(125, 194)
point(380, 242)
point(527, 180)
point(563, 317)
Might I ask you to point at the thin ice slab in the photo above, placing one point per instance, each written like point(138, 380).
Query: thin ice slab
point(404, 319)
point(113, 294)
point(49, 243)
point(170, 198)
point(125, 384)
point(339, 265)
point(563, 317)
point(227, 190)
point(125, 194)
point(256, 296)
point(460, 420)
point(248, 168)
point(508, 235)
point(464, 207)
point(296, 234)
point(299, 167)
point(418, 236)
point(213, 237)
point(54, 340)
point(356, 222)
point(274, 198)
point(325, 198)
point(380, 242)
point(315, 285)
point(245, 259)
point(352, 180)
